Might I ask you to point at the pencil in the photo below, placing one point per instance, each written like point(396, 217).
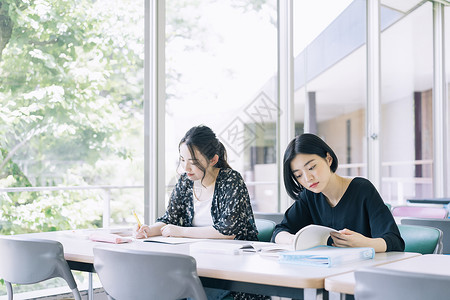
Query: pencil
point(137, 219)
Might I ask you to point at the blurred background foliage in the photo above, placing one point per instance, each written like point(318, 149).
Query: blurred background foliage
point(71, 111)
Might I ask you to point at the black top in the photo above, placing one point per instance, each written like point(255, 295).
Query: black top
point(231, 211)
point(360, 209)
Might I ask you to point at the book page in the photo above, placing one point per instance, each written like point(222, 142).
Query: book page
point(308, 237)
point(312, 236)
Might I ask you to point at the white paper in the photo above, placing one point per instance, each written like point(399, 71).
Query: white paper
point(312, 236)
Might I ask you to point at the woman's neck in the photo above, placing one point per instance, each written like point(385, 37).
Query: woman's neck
point(204, 189)
point(210, 177)
point(336, 189)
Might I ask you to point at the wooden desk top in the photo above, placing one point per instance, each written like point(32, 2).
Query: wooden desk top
point(430, 263)
point(248, 267)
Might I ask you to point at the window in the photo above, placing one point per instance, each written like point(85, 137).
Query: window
point(330, 89)
point(329, 78)
point(71, 114)
point(406, 106)
point(221, 63)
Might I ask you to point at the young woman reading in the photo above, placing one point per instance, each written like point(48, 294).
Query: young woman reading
point(351, 205)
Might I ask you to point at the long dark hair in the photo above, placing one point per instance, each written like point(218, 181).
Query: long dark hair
point(306, 143)
point(205, 141)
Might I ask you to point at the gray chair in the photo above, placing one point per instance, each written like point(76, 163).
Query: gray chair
point(265, 229)
point(27, 261)
point(421, 239)
point(135, 274)
point(442, 224)
point(384, 284)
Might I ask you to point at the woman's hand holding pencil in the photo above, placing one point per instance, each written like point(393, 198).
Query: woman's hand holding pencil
point(145, 231)
point(141, 229)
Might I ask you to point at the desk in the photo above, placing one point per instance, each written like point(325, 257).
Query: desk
point(250, 272)
point(343, 284)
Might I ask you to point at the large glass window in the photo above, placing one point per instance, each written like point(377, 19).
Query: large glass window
point(447, 77)
point(71, 113)
point(221, 62)
point(329, 77)
point(71, 117)
point(330, 89)
point(406, 110)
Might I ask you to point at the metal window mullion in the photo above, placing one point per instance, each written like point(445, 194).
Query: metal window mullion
point(440, 117)
point(373, 93)
point(154, 109)
point(286, 121)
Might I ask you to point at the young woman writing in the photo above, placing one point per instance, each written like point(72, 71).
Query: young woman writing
point(210, 200)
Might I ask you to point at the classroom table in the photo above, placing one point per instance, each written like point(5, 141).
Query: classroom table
point(249, 272)
point(340, 285)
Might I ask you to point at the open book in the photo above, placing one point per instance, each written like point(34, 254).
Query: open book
point(326, 256)
point(311, 236)
point(307, 237)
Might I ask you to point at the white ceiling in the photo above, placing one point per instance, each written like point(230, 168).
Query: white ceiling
point(401, 5)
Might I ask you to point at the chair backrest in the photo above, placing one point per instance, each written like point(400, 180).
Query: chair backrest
point(433, 200)
point(265, 229)
point(421, 239)
point(136, 274)
point(442, 224)
point(384, 284)
point(276, 217)
point(27, 261)
point(419, 212)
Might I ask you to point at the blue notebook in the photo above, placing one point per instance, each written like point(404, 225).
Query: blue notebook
point(326, 256)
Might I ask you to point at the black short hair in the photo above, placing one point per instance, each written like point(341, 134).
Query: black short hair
point(306, 143)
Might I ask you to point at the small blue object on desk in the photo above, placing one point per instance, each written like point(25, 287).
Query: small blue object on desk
point(326, 256)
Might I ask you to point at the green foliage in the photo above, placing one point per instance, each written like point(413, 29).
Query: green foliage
point(71, 86)
point(12, 169)
point(64, 81)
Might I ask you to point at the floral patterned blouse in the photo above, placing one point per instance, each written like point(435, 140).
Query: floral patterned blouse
point(230, 208)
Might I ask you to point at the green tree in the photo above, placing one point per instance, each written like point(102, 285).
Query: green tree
point(71, 93)
point(71, 87)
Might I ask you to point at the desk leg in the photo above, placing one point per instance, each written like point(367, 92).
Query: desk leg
point(336, 296)
point(90, 288)
point(313, 294)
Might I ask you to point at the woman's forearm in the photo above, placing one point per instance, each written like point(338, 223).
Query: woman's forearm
point(378, 244)
point(207, 232)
